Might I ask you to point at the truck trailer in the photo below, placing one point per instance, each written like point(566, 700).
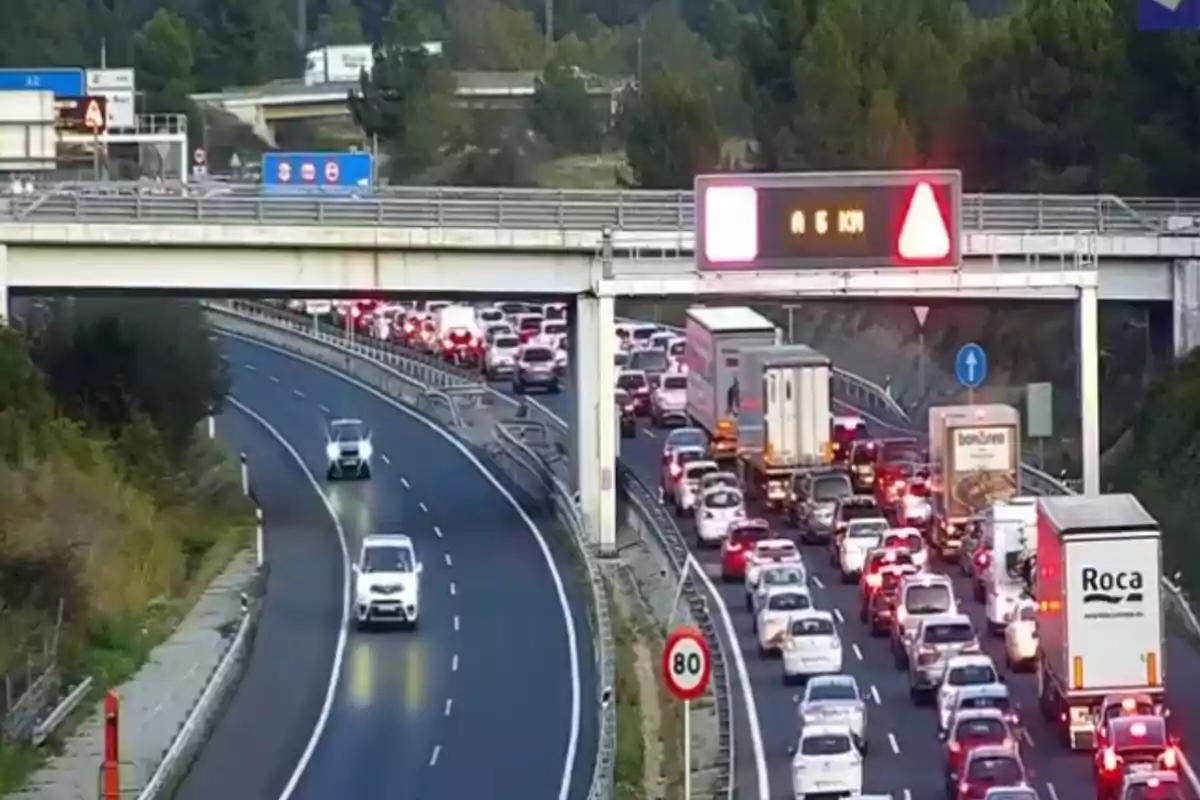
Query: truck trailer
point(1100, 617)
point(715, 337)
point(975, 456)
point(783, 417)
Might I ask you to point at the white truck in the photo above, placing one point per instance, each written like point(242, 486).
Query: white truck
point(1100, 616)
point(783, 417)
point(715, 338)
point(345, 63)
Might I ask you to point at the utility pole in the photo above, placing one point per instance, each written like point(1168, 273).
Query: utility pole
point(549, 12)
point(302, 25)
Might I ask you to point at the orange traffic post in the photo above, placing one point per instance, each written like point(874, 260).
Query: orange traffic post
point(112, 767)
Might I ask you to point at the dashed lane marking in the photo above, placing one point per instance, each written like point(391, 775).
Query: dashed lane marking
point(453, 589)
point(1050, 790)
point(437, 531)
point(298, 393)
point(383, 457)
point(837, 614)
point(648, 432)
point(449, 562)
point(424, 507)
point(875, 695)
point(324, 409)
point(907, 795)
point(816, 579)
point(273, 379)
point(1025, 735)
point(404, 483)
point(250, 367)
point(454, 663)
point(456, 622)
point(437, 751)
point(857, 652)
point(894, 744)
point(449, 705)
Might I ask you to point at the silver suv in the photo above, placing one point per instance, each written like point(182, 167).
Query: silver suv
point(535, 370)
point(938, 638)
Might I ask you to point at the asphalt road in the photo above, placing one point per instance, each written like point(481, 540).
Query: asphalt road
point(905, 758)
point(483, 701)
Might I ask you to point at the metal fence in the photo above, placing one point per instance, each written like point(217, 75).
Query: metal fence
point(523, 209)
point(439, 385)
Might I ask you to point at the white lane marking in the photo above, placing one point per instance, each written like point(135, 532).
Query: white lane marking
point(816, 579)
point(453, 589)
point(892, 741)
point(437, 751)
point(1026, 737)
point(250, 367)
point(456, 622)
point(404, 482)
point(1193, 779)
point(875, 695)
point(564, 788)
point(1050, 790)
point(383, 457)
point(449, 562)
point(340, 647)
point(648, 432)
point(857, 652)
point(273, 379)
point(324, 409)
point(298, 393)
point(454, 663)
point(437, 531)
point(907, 795)
point(424, 507)
point(837, 614)
point(449, 705)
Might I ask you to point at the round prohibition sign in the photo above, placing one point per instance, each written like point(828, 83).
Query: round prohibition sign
point(686, 663)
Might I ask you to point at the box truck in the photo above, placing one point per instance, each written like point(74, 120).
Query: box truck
point(975, 456)
point(715, 336)
point(783, 417)
point(1100, 616)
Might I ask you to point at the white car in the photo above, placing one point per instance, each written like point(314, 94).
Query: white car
point(811, 646)
point(1157, 783)
point(553, 333)
point(775, 610)
point(486, 317)
point(714, 480)
point(669, 401)
point(917, 510)
point(387, 581)
point(1021, 637)
point(826, 763)
point(1000, 603)
point(717, 508)
point(348, 450)
point(501, 357)
point(770, 551)
point(835, 700)
point(561, 358)
point(909, 539)
point(641, 335)
point(771, 576)
point(687, 488)
point(861, 536)
point(963, 671)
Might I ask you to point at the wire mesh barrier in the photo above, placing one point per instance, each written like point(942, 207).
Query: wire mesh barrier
point(456, 398)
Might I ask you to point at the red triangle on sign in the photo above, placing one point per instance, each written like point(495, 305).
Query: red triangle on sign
point(924, 236)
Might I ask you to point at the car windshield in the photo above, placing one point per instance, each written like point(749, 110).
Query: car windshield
point(833, 690)
point(1143, 734)
point(981, 729)
point(789, 601)
point(506, 342)
point(687, 437)
point(1162, 790)
point(674, 383)
point(900, 453)
point(620, 360)
point(491, 315)
point(387, 558)
point(826, 744)
point(860, 511)
point(972, 675)
point(720, 479)
point(676, 347)
point(347, 432)
point(538, 355)
point(621, 397)
point(749, 534)
point(1001, 769)
point(812, 626)
point(867, 529)
point(782, 577)
point(831, 487)
point(650, 360)
point(949, 633)
point(911, 541)
point(631, 380)
point(976, 701)
point(556, 312)
point(530, 323)
point(643, 334)
point(554, 328)
point(847, 431)
point(694, 472)
point(722, 499)
point(887, 558)
point(935, 599)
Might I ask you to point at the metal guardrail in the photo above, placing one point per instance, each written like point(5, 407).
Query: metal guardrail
point(445, 384)
point(520, 209)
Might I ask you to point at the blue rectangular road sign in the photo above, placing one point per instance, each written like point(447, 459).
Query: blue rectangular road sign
point(316, 171)
point(1168, 15)
point(63, 81)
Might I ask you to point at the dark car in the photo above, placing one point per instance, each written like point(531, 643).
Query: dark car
point(628, 414)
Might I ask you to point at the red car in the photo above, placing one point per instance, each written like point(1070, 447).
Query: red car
point(988, 766)
point(872, 579)
point(846, 431)
point(1131, 742)
point(739, 541)
point(971, 729)
point(462, 346)
point(882, 611)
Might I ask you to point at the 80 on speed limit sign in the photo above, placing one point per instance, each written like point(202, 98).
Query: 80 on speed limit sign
point(686, 663)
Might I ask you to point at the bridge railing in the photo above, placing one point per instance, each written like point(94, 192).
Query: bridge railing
point(521, 209)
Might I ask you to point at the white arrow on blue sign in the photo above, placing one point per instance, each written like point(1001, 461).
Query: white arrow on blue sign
point(970, 365)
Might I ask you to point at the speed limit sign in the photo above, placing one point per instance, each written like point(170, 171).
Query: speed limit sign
point(686, 663)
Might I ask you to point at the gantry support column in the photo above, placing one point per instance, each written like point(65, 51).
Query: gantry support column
point(1185, 304)
point(3, 284)
point(594, 377)
point(1089, 387)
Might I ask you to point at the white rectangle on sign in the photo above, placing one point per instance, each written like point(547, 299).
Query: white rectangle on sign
point(111, 80)
point(120, 109)
point(983, 449)
point(1039, 410)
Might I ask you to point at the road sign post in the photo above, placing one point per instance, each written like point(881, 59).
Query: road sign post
point(922, 314)
point(971, 367)
point(686, 671)
point(1039, 416)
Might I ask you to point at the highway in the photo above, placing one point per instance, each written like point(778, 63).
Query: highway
point(429, 713)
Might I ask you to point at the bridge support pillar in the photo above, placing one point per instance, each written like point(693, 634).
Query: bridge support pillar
point(3, 284)
point(1089, 387)
point(1185, 305)
point(594, 375)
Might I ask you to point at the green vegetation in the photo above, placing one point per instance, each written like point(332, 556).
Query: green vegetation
point(113, 513)
point(630, 771)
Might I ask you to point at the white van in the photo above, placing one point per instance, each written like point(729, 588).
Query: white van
point(1008, 531)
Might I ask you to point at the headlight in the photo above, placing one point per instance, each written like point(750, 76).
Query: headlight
point(364, 448)
point(331, 451)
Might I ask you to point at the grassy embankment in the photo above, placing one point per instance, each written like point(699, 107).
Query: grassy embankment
point(117, 534)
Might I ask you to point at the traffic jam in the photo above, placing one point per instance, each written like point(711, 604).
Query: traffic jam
point(1025, 631)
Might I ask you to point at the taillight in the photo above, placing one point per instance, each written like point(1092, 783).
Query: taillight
point(874, 580)
point(981, 559)
point(1170, 758)
point(676, 471)
point(1110, 760)
point(955, 747)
